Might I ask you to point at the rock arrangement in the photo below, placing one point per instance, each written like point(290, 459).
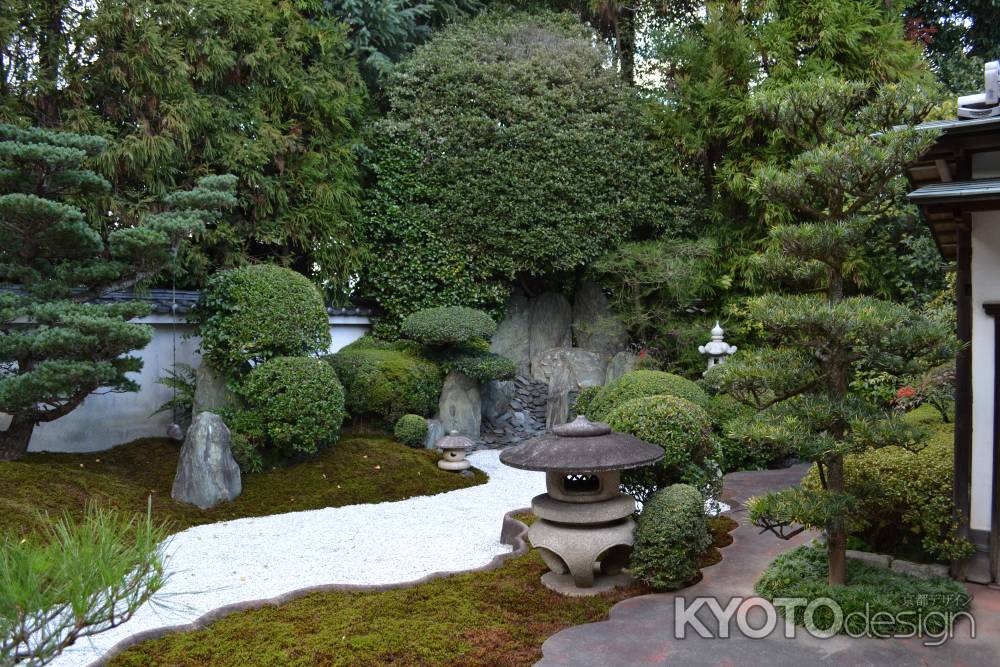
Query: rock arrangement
point(207, 474)
point(513, 411)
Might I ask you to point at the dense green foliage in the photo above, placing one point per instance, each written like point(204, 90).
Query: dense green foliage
point(960, 37)
point(411, 430)
point(479, 365)
point(448, 325)
point(358, 470)
point(584, 398)
point(637, 384)
point(75, 580)
point(801, 380)
point(383, 385)
point(259, 312)
point(268, 91)
point(290, 408)
point(684, 432)
point(55, 347)
point(904, 498)
point(490, 164)
point(801, 573)
point(670, 537)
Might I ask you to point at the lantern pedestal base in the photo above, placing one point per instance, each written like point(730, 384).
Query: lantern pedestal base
point(565, 585)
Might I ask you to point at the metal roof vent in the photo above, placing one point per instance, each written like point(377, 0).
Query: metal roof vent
point(985, 104)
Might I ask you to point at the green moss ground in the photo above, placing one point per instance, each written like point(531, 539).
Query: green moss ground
point(496, 618)
point(355, 470)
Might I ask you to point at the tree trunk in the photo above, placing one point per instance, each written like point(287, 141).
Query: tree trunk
point(14, 441)
point(836, 538)
point(626, 45)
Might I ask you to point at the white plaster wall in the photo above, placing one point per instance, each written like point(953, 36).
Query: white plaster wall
point(985, 288)
point(105, 420)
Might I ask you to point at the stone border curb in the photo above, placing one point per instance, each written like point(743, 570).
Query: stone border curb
point(512, 533)
point(887, 562)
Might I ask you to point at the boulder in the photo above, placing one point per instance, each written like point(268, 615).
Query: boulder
point(919, 570)
point(512, 336)
point(460, 407)
point(561, 384)
point(550, 321)
point(595, 326)
point(877, 560)
point(207, 473)
point(589, 367)
point(496, 398)
point(211, 393)
point(435, 431)
point(623, 362)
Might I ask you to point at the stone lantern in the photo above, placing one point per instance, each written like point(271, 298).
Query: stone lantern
point(584, 523)
point(453, 447)
point(717, 349)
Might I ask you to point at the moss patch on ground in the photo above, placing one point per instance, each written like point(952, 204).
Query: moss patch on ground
point(355, 470)
point(496, 618)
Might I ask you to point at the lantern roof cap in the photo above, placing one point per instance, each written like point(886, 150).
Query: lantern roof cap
point(582, 446)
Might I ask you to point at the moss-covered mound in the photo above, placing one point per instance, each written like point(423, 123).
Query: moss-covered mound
point(500, 617)
point(357, 470)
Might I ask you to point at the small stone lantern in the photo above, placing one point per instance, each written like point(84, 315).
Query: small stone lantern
point(584, 523)
point(717, 349)
point(453, 447)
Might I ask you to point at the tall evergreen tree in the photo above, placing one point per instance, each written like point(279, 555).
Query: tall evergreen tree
point(56, 346)
point(268, 91)
point(802, 380)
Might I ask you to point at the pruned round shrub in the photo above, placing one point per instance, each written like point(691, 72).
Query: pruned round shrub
point(905, 497)
point(481, 366)
point(670, 538)
point(584, 398)
point(679, 426)
point(255, 313)
point(637, 384)
point(291, 407)
point(411, 430)
point(383, 385)
point(448, 325)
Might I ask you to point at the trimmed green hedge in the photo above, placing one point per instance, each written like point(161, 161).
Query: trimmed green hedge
point(384, 384)
point(680, 427)
point(291, 406)
point(259, 312)
point(584, 398)
point(448, 325)
point(411, 430)
point(870, 590)
point(905, 497)
point(637, 384)
point(670, 538)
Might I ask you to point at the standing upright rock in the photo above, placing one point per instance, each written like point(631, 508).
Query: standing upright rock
point(551, 321)
point(512, 336)
point(207, 473)
point(460, 408)
point(211, 393)
point(561, 383)
point(595, 326)
point(623, 362)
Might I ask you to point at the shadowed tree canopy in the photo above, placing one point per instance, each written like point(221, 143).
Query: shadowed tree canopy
point(268, 91)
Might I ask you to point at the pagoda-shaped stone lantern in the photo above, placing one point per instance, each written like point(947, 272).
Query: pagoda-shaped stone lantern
point(453, 448)
point(717, 349)
point(584, 523)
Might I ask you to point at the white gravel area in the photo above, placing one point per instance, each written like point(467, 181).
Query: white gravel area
point(251, 559)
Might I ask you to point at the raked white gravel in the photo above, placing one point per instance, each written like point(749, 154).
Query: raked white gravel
point(258, 558)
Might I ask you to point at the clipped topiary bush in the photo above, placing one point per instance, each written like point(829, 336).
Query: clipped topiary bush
point(670, 538)
point(448, 325)
point(411, 430)
point(255, 313)
point(383, 385)
point(637, 384)
point(481, 366)
point(584, 399)
point(905, 497)
point(291, 407)
point(680, 427)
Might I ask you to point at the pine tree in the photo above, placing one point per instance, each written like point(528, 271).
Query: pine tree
point(802, 382)
point(56, 345)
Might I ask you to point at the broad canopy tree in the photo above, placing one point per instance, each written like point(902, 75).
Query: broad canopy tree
point(802, 380)
point(56, 345)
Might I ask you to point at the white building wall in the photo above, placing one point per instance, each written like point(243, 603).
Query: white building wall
point(105, 420)
point(985, 288)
